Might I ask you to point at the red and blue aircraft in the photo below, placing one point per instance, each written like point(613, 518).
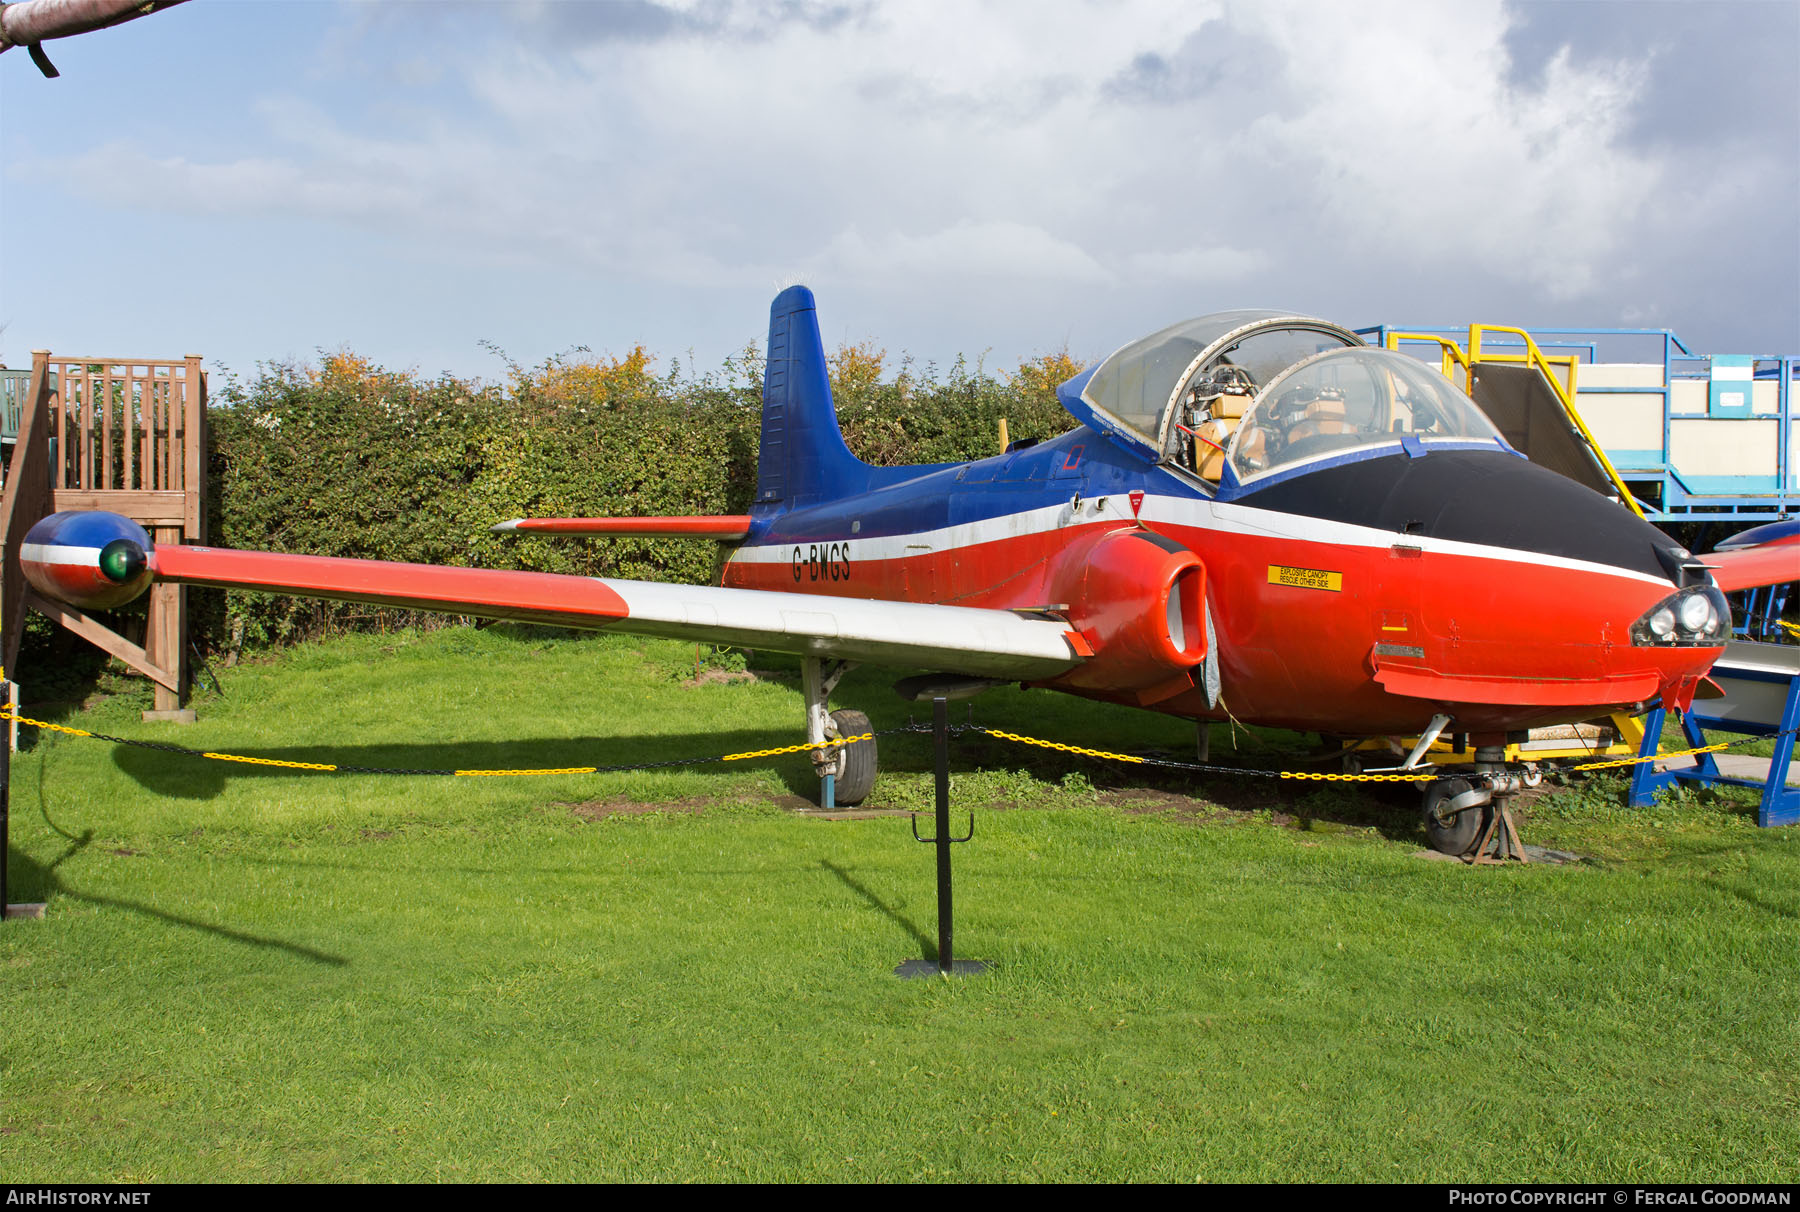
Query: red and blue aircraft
point(1257, 515)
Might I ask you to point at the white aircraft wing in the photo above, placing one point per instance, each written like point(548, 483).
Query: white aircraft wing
point(63, 560)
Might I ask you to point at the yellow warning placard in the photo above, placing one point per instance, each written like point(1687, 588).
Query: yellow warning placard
point(1306, 578)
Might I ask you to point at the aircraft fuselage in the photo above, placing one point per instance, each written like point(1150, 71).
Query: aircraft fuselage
point(1361, 598)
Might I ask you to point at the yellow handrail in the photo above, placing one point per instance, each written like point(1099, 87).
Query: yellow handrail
point(1451, 353)
point(1565, 393)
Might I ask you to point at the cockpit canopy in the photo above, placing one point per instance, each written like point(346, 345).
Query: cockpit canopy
point(1260, 391)
point(1342, 399)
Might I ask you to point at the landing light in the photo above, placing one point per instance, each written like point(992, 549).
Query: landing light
point(1697, 615)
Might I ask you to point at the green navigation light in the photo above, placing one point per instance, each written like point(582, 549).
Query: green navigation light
point(121, 560)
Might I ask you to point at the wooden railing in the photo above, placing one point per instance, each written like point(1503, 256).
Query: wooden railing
point(15, 385)
point(129, 435)
point(121, 434)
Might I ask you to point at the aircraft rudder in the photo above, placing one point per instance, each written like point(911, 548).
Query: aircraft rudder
point(803, 458)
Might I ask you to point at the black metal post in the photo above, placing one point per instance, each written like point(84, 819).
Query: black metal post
point(5, 819)
point(940, 734)
point(946, 965)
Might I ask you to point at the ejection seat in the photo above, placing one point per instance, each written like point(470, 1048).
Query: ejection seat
point(1213, 435)
point(1325, 415)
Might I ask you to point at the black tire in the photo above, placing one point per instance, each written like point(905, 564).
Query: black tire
point(1453, 834)
point(858, 778)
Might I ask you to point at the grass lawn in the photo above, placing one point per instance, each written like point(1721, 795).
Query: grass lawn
point(257, 975)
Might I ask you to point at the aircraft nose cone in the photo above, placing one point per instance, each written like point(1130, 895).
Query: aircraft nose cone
point(90, 559)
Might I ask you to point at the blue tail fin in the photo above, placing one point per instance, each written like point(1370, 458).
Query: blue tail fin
point(804, 460)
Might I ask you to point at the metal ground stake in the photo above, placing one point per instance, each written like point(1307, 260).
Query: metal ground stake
point(946, 963)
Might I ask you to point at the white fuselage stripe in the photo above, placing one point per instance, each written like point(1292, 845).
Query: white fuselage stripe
point(1173, 511)
point(58, 553)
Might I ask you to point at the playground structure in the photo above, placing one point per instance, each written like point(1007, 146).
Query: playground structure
point(121, 434)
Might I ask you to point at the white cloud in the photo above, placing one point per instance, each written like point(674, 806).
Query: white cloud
point(1162, 156)
point(1412, 140)
point(1008, 250)
point(1208, 264)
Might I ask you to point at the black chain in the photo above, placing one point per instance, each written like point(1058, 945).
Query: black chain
point(911, 727)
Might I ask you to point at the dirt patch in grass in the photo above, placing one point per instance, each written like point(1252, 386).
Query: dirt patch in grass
point(720, 677)
point(618, 805)
point(1147, 801)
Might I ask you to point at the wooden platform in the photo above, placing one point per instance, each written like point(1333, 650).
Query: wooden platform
point(126, 435)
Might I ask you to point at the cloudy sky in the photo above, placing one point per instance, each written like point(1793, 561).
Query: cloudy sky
point(261, 180)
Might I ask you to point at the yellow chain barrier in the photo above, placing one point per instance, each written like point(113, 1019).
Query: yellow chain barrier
point(1321, 776)
point(756, 753)
point(1026, 740)
point(1079, 751)
point(250, 761)
point(1359, 778)
point(1126, 757)
point(1655, 757)
point(260, 761)
point(7, 715)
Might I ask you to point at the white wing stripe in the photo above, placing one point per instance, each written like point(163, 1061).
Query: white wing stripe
point(953, 639)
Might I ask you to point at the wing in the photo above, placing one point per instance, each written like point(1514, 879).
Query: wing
point(100, 560)
point(1765, 555)
point(724, 526)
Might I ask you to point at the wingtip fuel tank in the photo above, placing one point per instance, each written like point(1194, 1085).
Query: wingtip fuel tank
point(89, 559)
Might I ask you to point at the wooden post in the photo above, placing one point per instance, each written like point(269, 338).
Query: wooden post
point(165, 639)
point(194, 448)
point(27, 498)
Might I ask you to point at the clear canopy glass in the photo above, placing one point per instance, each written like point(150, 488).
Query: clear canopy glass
point(1344, 399)
point(1139, 384)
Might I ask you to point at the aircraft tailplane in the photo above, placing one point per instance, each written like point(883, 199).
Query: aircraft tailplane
point(804, 460)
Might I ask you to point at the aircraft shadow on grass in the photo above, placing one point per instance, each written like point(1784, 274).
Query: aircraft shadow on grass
point(185, 776)
point(30, 880)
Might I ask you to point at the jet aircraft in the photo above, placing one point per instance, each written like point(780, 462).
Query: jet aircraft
point(1256, 516)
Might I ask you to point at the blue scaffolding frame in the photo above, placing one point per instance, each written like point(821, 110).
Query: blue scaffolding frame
point(1780, 804)
point(1665, 494)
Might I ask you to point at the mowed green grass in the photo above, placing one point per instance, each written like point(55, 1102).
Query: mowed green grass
point(253, 975)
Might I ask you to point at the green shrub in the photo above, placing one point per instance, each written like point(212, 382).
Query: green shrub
point(349, 459)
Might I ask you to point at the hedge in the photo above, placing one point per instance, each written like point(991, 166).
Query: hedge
point(348, 459)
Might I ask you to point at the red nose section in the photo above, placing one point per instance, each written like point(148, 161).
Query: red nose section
point(92, 560)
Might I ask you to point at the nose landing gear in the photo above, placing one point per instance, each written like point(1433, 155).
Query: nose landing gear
point(1468, 817)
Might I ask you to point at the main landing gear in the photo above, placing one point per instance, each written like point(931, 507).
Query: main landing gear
point(846, 772)
point(1468, 816)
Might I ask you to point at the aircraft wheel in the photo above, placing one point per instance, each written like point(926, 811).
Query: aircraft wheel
point(858, 778)
point(1452, 834)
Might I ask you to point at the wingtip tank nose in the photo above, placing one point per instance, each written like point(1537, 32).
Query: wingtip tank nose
point(88, 558)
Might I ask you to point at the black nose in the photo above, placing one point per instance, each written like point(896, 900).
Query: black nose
point(1480, 496)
